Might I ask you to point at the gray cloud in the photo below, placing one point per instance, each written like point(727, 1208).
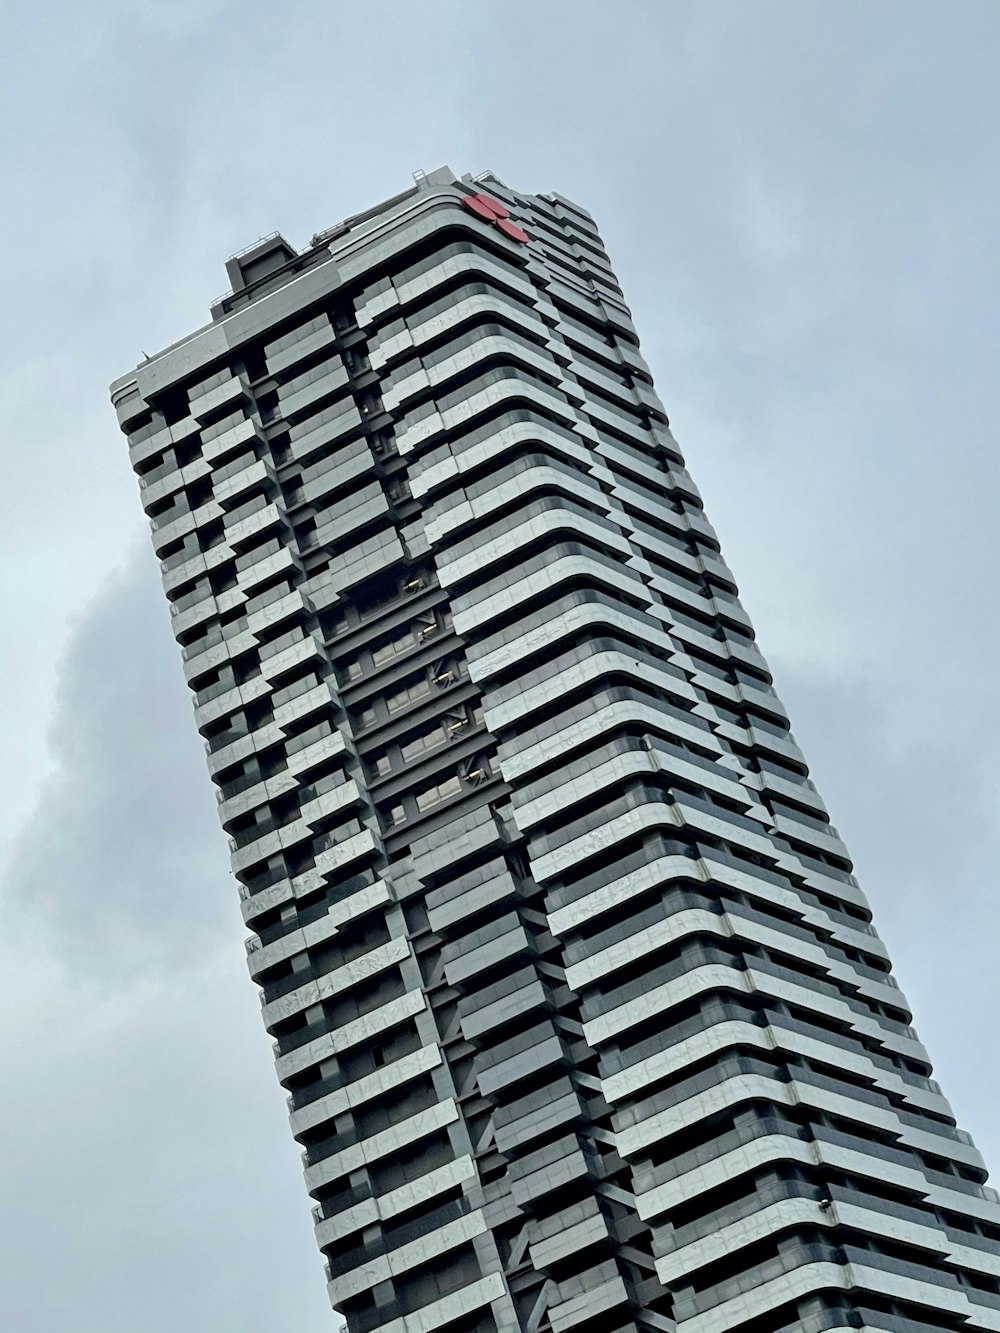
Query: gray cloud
point(147, 1172)
point(122, 867)
point(919, 810)
point(800, 199)
point(147, 1175)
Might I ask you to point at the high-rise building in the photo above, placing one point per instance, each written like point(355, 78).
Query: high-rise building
point(580, 1012)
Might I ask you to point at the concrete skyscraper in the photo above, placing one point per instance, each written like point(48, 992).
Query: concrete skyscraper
point(579, 1009)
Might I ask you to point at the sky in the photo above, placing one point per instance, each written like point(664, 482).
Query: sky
point(802, 204)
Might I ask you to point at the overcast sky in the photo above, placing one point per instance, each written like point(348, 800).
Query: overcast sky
point(801, 200)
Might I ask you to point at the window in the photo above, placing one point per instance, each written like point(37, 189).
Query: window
point(235, 465)
point(289, 339)
point(441, 791)
point(217, 428)
point(287, 640)
point(305, 738)
point(326, 370)
point(380, 594)
point(391, 648)
point(425, 627)
point(252, 506)
point(269, 595)
point(416, 688)
point(297, 687)
point(427, 740)
point(365, 717)
point(270, 546)
point(222, 376)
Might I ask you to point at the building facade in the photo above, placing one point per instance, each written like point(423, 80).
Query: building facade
point(579, 1009)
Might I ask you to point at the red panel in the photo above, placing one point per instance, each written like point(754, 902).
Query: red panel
point(512, 230)
point(495, 205)
point(477, 204)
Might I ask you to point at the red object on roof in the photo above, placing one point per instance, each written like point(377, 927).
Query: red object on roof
point(492, 210)
point(480, 205)
point(512, 230)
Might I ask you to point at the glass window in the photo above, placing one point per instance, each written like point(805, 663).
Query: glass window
point(222, 376)
point(417, 688)
point(332, 369)
point(418, 745)
point(432, 796)
point(222, 425)
point(298, 687)
point(391, 648)
point(297, 334)
point(305, 738)
point(365, 717)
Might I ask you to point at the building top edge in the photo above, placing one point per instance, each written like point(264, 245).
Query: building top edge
point(272, 258)
point(330, 238)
